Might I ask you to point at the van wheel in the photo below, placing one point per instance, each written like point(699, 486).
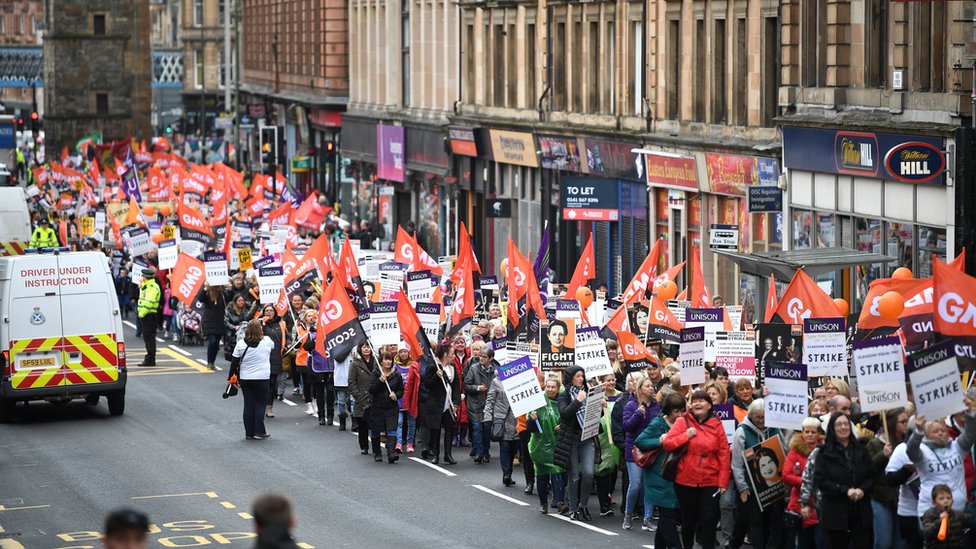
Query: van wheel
point(7, 410)
point(116, 403)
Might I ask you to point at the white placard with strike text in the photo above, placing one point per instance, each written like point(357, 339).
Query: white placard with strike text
point(271, 281)
point(880, 371)
point(786, 403)
point(168, 254)
point(825, 347)
point(521, 386)
point(692, 356)
point(593, 411)
point(591, 353)
point(216, 265)
point(429, 315)
point(936, 382)
point(386, 328)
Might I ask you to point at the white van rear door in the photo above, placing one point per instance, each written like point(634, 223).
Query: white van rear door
point(88, 326)
point(35, 324)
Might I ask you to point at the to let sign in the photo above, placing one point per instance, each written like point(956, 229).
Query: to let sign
point(585, 199)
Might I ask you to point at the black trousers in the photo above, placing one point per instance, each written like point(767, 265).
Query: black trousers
point(433, 442)
point(148, 324)
point(255, 395)
point(765, 528)
point(699, 509)
point(667, 536)
point(528, 468)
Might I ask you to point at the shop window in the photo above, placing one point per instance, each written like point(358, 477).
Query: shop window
point(930, 242)
point(867, 238)
point(900, 245)
point(802, 229)
point(826, 231)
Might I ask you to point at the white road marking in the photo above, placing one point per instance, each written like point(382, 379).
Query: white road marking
point(129, 324)
point(434, 467)
point(582, 524)
point(498, 495)
point(288, 402)
point(202, 361)
point(181, 351)
point(161, 340)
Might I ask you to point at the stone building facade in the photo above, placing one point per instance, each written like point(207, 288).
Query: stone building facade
point(20, 22)
point(97, 71)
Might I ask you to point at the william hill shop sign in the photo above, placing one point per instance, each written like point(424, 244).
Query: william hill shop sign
point(895, 157)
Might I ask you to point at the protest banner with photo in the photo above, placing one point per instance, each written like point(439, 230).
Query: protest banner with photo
point(216, 265)
point(386, 331)
point(558, 344)
point(726, 413)
point(936, 383)
point(138, 241)
point(593, 411)
point(167, 255)
point(764, 465)
point(591, 353)
point(734, 351)
point(825, 346)
point(692, 355)
point(640, 315)
point(271, 281)
point(713, 320)
point(521, 386)
point(778, 342)
point(786, 404)
point(880, 372)
point(429, 315)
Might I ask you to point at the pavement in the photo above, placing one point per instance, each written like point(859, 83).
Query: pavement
point(179, 454)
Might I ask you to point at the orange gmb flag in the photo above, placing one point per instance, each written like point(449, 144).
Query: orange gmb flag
point(339, 330)
point(187, 279)
point(662, 323)
point(804, 299)
point(521, 284)
point(464, 252)
point(771, 301)
point(411, 328)
point(955, 301)
point(643, 278)
point(635, 355)
point(870, 317)
point(462, 308)
point(701, 296)
point(585, 269)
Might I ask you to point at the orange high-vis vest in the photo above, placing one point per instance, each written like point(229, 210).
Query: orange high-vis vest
point(301, 358)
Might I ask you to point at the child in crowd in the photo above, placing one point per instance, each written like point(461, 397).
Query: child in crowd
point(959, 521)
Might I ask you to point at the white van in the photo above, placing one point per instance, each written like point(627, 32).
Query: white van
point(60, 330)
point(15, 222)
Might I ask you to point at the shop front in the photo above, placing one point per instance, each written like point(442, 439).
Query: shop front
point(876, 192)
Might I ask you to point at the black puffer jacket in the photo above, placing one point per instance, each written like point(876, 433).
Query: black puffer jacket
point(834, 474)
point(212, 314)
point(569, 426)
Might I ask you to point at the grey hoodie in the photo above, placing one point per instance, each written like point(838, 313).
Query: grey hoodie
point(739, 474)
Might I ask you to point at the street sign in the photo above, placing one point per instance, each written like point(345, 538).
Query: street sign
point(765, 198)
point(723, 237)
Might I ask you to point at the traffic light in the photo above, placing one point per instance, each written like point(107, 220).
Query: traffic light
point(35, 121)
point(169, 129)
point(330, 147)
point(269, 147)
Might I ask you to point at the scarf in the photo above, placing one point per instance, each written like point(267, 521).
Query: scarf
point(448, 379)
point(573, 391)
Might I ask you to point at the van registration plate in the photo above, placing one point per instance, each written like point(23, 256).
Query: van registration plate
point(34, 363)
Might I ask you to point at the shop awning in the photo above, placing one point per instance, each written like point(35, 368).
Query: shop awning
point(815, 261)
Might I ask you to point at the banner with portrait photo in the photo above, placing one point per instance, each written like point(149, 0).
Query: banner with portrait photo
point(777, 342)
point(764, 469)
point(558, 344)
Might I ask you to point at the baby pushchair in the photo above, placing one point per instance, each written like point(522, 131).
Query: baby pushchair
point(189, 322)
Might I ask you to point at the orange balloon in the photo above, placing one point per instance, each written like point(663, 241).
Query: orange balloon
point(891, 305)
point(157, 238)
point(667, 290)
point(585, 296)
point(504, 266)
point(902, 273)
point(148, 210)
point(842, 305)
point(165, 210)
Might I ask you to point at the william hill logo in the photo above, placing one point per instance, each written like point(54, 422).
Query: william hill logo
point(856, 152)
point(915, 162)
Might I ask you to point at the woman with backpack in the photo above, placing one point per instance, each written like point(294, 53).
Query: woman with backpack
point(657, 488)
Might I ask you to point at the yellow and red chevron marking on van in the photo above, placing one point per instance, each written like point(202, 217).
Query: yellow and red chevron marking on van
point(40, 377)
point(99, 359)
point(13, 248)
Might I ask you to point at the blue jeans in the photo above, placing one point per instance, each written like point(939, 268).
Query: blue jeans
point(411, 426)
point(636, 490)
point(507, 450)
point(479, 438)
point(213, 345)
point(886, 534)
point(582, 459)
point(558, 489)
point(343, 405)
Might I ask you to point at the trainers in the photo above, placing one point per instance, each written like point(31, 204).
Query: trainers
point(628, 523)
point(308, 409)
point(648, 526)
point(606, 512)
point(399, 448)
point(297, 391)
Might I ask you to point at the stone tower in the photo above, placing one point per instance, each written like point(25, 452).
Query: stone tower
point(97, 71)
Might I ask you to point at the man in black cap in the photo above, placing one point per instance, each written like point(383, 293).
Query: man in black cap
point(126, 529)
point(149, 296)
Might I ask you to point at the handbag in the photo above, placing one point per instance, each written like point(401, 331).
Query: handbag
point(669, 471)
point(230, 390)
point(793, 520)
point(497, 431)
point(645, 459)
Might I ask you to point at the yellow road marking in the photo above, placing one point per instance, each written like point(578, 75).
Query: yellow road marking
point(25, 507)
point(244, 515)
point(228, 505)
point(174, 357)
point(210, 494)
point(306, 546)
point(176, 495)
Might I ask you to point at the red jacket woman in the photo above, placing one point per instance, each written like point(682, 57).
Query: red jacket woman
point(411, 391)
point(801, 445)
